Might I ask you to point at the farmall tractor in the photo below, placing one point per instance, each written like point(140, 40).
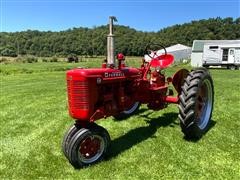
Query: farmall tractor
point(117, 90)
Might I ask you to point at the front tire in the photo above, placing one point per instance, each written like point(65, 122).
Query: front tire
point(88, 146)
point(67, 137)
point(196, 103)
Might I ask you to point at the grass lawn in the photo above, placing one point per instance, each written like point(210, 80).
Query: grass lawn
point(34, 119)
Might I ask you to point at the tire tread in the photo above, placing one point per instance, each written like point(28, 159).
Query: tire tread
point(187, 101)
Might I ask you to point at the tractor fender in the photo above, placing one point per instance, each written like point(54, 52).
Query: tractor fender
point(178, 79)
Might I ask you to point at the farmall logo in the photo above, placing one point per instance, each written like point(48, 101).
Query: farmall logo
point(113, 74)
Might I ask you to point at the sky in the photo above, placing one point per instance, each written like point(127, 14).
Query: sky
point(152, 15)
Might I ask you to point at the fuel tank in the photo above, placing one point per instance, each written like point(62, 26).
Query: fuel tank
point(83, 87)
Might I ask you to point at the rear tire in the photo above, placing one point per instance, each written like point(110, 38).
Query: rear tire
point(88, 146)
point(196, 103)
point(132, 110)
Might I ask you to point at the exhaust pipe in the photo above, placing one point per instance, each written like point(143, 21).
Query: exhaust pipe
point(110, 43)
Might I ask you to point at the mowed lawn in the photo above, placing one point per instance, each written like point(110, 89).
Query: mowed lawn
point(149, 145)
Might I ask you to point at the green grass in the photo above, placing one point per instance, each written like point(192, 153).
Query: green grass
point(29, 68)
point(34, 119)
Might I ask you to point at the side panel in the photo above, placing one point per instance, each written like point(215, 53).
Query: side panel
point(212, 55)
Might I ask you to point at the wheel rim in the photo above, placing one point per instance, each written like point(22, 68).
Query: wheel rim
point(204, 104)
point(91, 148)
point(132, 109)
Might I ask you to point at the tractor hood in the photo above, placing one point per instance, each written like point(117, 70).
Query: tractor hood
point(104, 73)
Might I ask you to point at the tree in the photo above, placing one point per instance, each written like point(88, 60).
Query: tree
point(91, 42)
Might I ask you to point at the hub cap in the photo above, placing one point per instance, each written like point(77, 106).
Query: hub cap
point(91, 148)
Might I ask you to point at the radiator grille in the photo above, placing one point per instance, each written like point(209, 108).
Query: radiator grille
point(78, 94)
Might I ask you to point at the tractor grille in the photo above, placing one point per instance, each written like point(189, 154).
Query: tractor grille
point(78, 94)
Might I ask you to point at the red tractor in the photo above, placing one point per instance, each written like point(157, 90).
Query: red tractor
point(117, 90)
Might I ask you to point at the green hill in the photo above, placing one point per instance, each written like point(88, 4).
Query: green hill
point(92, 41)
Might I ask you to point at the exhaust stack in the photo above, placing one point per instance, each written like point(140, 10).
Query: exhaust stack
point(110, 43)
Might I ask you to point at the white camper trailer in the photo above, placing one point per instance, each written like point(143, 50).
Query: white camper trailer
point(224, 53)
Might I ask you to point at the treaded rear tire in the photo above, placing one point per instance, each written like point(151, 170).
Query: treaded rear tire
point(196, 103)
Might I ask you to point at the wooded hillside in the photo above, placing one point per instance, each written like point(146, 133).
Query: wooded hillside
point(92, 41)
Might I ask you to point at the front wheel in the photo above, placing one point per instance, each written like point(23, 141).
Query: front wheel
point(67, 137)
point(88, 146)
point(196, 103)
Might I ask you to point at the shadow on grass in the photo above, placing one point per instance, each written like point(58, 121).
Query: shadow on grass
point(210, 126)
point(140, 134)
point(212, 123)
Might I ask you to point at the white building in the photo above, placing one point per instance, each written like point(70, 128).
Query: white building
point(179, 51)
point(216, 53)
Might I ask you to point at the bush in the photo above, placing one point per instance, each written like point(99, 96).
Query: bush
point(3, 60)
point(19, 59)
point(54, 59)
point(31, 59)
point(44, 60)
point(72, 58)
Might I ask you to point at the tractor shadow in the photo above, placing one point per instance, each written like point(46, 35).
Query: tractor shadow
point(211, 125)
point(136, 136)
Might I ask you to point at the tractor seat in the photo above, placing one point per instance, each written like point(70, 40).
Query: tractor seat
point(162, 61)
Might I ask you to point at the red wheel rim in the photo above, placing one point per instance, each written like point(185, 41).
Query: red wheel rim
point(91, 148)
point(201, 100)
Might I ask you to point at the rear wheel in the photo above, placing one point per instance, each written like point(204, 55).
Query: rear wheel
point(88, 146)
point(125, 114)
point(196, 103)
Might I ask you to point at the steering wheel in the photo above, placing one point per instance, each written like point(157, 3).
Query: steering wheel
point(161, 61)
point(149, 51)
